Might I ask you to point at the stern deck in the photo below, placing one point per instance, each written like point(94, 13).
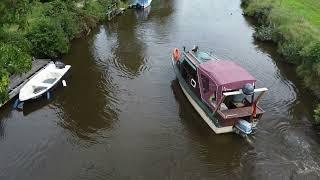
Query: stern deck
point(239, 112)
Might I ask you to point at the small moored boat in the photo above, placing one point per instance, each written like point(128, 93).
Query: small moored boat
point(221, 91)
point(140, 4)
point(43, 81)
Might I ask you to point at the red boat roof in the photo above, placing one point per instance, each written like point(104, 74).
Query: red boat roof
point(225, 72)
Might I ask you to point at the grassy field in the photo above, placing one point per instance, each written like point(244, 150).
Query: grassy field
point(308, 9)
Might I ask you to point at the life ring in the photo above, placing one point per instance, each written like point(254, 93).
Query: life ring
point(176, 54)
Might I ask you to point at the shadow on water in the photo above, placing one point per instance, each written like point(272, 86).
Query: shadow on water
point(86, 105)
point(5, 113)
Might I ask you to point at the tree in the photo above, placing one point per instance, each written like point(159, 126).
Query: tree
point(47, 38)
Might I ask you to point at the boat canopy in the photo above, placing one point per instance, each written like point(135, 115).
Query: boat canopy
point(215, 77)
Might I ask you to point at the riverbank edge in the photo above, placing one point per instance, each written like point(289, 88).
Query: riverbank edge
point(305, 55)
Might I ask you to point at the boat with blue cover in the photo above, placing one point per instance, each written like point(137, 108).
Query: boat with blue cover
point(140, 4)
point(221, 91)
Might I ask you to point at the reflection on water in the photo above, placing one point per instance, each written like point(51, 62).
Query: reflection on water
point(124, 116)
point(143, 13)
point(87, 103)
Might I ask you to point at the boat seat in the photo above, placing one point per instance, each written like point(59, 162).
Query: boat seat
point(49, 81)
point(223, 106)
point(41, 85)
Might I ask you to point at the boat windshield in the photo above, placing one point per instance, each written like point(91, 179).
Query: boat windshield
point(49, 80)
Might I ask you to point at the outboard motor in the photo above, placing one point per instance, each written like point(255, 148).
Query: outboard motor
point(59, 64)
point(243, 127)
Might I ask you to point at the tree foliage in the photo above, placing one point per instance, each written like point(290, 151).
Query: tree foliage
point(47, 38)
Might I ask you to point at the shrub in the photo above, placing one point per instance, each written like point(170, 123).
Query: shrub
point(13, 60)
point(3, 85)
point(312, 52)
point(291, 51)
point(264, 33)
point(47, 38)
point(17, 39)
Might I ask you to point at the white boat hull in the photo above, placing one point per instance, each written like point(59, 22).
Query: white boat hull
point(217, 130)
point(42, 82)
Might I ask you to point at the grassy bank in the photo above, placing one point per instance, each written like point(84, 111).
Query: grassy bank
point(294, 25)
point(43, 29)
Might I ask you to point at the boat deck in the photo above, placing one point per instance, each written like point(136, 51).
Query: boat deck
point(192, 59)
point(239, 112)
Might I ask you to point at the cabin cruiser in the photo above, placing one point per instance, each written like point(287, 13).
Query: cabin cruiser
point(221, 91)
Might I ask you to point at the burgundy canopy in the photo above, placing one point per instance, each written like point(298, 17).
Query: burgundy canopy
point(226, 73)
point(225, 76)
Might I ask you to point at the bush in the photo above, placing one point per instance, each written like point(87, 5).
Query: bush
point(311, 53)
point(264, 33)
point(13, 60)
point(3, 85)
point(47, 38)
point(291, 51)
point(17, 39)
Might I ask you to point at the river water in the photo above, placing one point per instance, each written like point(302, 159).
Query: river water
point(123, 115)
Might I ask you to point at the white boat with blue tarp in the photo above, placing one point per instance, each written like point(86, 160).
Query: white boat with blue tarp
point(140, 4)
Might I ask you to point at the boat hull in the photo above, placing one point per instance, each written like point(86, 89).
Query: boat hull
point(204, 116)
point(196, 103)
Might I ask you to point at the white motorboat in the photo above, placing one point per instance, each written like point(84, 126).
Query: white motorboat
point(43, 81)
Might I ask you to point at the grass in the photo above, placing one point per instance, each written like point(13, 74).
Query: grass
point(308, 9)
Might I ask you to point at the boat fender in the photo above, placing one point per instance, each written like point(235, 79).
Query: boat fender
point(59, 64)
point(64, 83)
point(176, 54)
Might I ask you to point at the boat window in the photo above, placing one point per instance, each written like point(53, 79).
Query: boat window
point(187, 71)
point(205, 83)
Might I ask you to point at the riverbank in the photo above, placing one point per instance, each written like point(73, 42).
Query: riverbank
point(44, 29)
point(295, 27)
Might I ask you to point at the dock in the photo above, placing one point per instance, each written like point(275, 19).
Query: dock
point(114, 12)
point(16, 82)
